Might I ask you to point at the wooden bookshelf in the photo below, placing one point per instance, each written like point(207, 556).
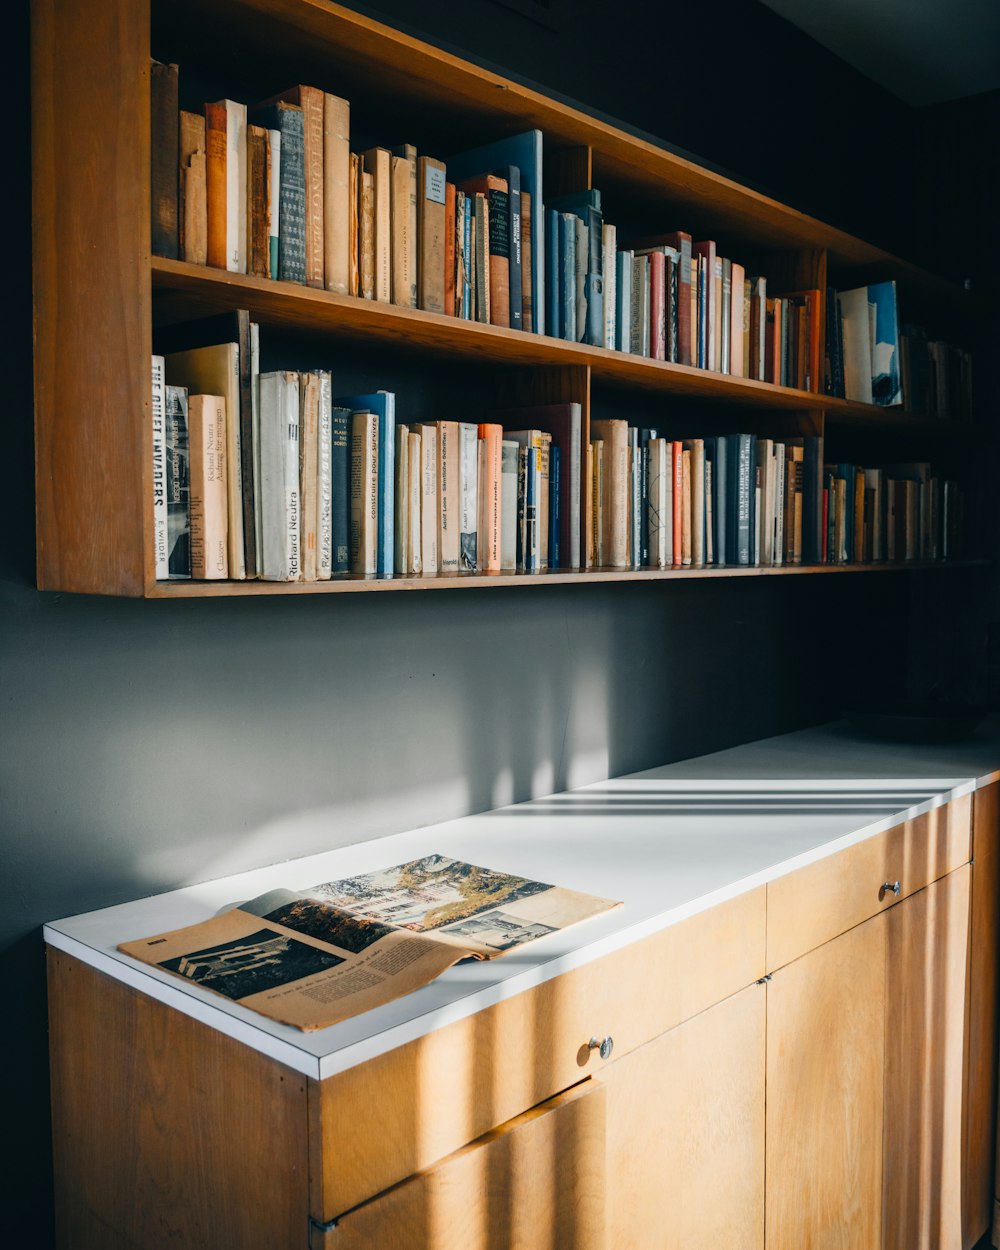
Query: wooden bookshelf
point(99, 291)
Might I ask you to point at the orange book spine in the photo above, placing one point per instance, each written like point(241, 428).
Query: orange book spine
point(678, 502)
point(449, 249)
point(490, 501)
point(215, 182)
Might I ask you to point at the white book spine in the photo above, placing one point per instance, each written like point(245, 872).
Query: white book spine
point(324, 465)
point(668, 504)
point(255, 425)
point(468, 495)
point(274, 197)
point(609, 260)
point(279, 477)
point(236, 187)
point(428, 499)
point(413, 452)
point(657, 503)
point(447, 468)
point(508, 505)
point(158, 412)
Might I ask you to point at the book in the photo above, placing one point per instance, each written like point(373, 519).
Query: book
point(383, 404)
point(640, 305)
point(193, 191)
point(236, 185)
point(312, 101)
point(489, 547)
point(495, 189)
point(623, 302)
point(529, 494)
point(610, 272)
point(288, 121)
point(413, 562)
point(403, 226)
point(258, 202)
point(324, 477)
point(274, 202)
point(581, 255)
point(450, 249)
point(309, 476)
point(215, 370)
point(555, 478)
point(479, 253)
point(378, 163)
point(508, 522)
point(679, 241)
point(164, 160)
point(354, 208)
point(177, 482)
point(336, 193)
point(279, 476)
point(527, 279)
point(523, 152)
point(341, 420)
point(615, 492)
point(157, 412)
point(737, 340)
point(553, 270)
point(856, 344)
point(215, 185)
point(207, 485)
point(401, 543)
point(468, 496)
point(658, 504)
point(429, 499)
point(448, 496)
point(887, 389)
point(364, 492)
point(708, 302)
point(567, 277)
point(430, 233)
point(366, 234)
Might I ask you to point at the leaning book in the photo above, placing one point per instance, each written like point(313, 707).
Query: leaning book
point(314, 957)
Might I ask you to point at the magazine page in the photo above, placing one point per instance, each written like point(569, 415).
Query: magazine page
point(315, 957)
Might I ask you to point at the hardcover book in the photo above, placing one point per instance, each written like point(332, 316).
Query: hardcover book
point(207, 443)
point(177, 482)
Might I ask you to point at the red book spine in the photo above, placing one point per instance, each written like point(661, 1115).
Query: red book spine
point(449, 249)
point(678, 501)
point(657, 306)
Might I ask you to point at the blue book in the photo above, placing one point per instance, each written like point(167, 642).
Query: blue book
point(740, 475)
point(555, 516)
point(623, 302)
point(720, 487)
point(383, 404)
point(553, 311)
point(525, 152)
point(703, 281)
point(340, 473)
point(467, 284)
point(567, 276)
point(887, 388)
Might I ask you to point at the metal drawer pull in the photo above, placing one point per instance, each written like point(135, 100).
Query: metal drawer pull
point(889, 887)
point(605, 1046)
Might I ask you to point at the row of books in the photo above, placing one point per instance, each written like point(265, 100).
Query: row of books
point(274, 190)
point(671, 298)
point(872, 358)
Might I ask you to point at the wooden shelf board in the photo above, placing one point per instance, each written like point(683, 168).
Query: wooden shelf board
point(355, 583)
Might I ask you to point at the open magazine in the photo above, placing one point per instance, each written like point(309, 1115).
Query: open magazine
point(317, 956)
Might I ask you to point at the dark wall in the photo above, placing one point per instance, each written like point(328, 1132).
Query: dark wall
point(146, 745)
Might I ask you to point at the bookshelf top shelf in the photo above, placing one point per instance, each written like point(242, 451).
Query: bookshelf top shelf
point(346, 52)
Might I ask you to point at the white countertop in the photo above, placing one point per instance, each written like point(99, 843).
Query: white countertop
point(668, 842)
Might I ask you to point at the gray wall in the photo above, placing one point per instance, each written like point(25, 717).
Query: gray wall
point(146, 745)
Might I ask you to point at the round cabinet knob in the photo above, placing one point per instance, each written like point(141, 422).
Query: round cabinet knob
point(890, 887)
point(606, 1045)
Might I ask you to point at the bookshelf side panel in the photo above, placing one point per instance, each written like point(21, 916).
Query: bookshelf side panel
point(90, 165)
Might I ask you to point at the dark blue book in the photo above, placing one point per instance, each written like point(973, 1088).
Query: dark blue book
point(645, 437)
point(553, 311)
point(623, 302)
point(720, 500)
point(740, 477)
point(753, 474)
point(576, 201)
point(467, 284)
point(513, 176)
point(567, 276)
point(340, 472)
point(555, 514)
point(812, 499)
point(524, 151)
point(383, 404)
point(287, 119)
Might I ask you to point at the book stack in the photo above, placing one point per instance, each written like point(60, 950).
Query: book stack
point(896, 512)
point(733, 499)
point(274, 190)
point(871, 357)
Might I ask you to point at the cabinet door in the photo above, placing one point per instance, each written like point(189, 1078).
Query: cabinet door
point(825, 1041)
point(537, 1181)
point(685, 1133)
point(925, 990)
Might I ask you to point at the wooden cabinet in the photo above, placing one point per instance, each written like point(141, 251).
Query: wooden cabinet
point(99, 292)
point(833, 1104)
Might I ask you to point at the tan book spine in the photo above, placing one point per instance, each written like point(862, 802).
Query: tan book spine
point(716, 361)
point(215, 184)
point(309, 475)
point(313, 108)
point(401, 502)
point(209, 509)
point(697, 448)
point(366, 234)
point(490, 497)
point(336, 193)
point(378, 163)
point(697, 277)
point(450, 199)
point(588, 509)
point(404, 231)
point(193, 222)
point(429, 522)
point(527, 287)
point(165, 160)
point(461, 261)
point(414, 563)
point(481, 251)
point(747, 322)
point(448, 496)
point(616, 491)
point(597, 503)
point(431, 192)
point(354, 206)
point(364, 493)
point(258, 202)
point(736, 301)
point(686, 507)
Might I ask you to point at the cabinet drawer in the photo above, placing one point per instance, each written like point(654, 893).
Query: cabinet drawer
point(379, 1123)
point(814, 904)
point(539, 1179)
